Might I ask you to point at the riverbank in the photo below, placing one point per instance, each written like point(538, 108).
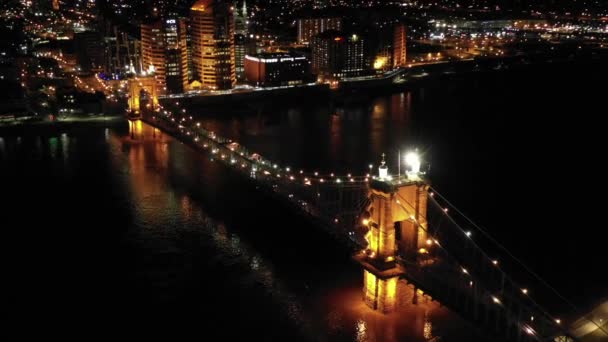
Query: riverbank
point(363, 89)
point(235, 102)
point(17, 126)
point(419, 76)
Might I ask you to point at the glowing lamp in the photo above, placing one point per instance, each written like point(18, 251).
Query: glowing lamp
point(412, 159)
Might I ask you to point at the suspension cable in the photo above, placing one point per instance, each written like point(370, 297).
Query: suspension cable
point(534, 274)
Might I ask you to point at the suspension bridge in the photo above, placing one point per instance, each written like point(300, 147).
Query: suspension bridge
point(408, 238)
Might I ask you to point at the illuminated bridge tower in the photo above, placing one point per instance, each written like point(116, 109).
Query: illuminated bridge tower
point(396, 219)
point(143, 89)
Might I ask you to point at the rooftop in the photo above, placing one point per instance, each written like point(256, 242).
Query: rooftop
point(202, 5)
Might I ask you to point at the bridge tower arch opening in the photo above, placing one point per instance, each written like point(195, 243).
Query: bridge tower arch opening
point(143, 92)
point(396, 219)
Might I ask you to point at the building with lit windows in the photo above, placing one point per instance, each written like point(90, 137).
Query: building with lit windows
point(164, 53)
point(338, 55)
point(277, 69)
point(212, 34)
point(243, 46)
point(241, 19)
point(310, 27)
point(399, 46)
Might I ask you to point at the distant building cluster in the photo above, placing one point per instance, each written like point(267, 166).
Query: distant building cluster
point(180, 46)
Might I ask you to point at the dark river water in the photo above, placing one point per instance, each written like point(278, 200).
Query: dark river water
point(108, 232)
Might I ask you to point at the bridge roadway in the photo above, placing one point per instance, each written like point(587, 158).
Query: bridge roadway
point(492, 301)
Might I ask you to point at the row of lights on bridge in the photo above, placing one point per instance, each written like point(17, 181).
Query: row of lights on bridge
point(307, 178)
point(496, 299)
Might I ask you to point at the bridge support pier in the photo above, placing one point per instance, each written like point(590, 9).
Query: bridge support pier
point(138, 85)
point(380, 290)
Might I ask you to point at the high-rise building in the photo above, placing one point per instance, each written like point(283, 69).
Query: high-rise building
point(243, 46)
point(310, 27)
point(399, 46)
point(241, 20)
point(213, 53)
point(122, 53)
point(164, 53)
point(89, 51)
point(339, 55)
point(276, 69)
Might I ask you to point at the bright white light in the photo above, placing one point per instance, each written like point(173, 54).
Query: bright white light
point(413, 160)
point(383, 172)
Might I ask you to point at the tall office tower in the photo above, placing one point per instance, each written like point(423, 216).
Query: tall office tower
point(164, 53)
point(399, 46)
point(337, 55)
point(310, 27)
point(241, 20)
point(243, 46)
point(213, 53)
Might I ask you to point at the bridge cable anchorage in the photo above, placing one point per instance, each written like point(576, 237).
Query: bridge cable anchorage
point(521, 263)
point(401, 201)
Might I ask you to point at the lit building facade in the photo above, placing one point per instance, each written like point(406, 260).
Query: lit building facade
point(399, 46)
point(241, 19)
point(164, 53)
point(213, 53)
point(310, 27)
point(243, 46)
point(338, 55)
point(277, 69)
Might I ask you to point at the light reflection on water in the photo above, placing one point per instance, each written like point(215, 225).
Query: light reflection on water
point(349, 319)
point(151, 157)
point(180, 245)
point(328, 312)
